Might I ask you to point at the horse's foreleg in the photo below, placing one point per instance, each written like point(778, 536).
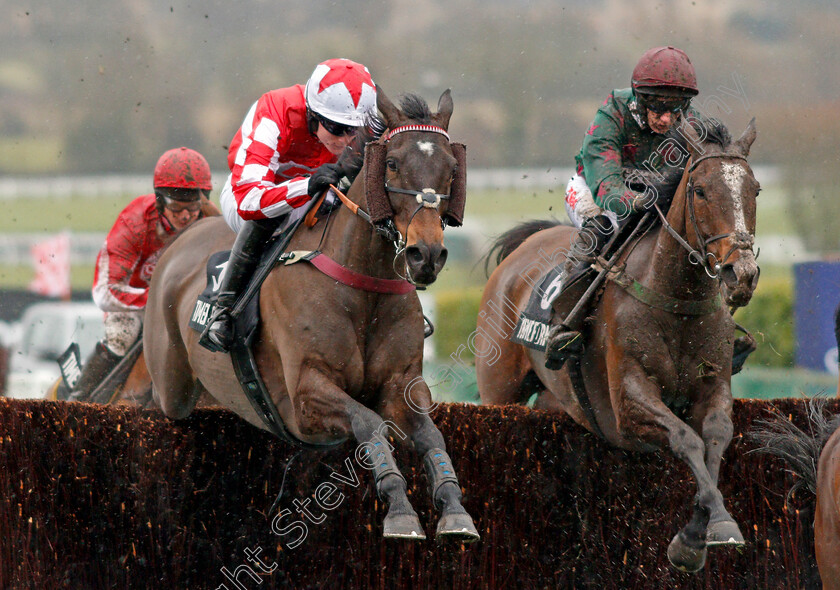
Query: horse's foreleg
point(642, 415)
point(716, 429)
point(322, 407)
point(445, 491)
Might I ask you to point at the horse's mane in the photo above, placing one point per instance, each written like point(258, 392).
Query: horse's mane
point(716, 133)
point(411, 105)
point(415, 108)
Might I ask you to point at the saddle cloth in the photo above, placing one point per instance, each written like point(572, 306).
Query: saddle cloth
point(533, 324)
point(203, 309)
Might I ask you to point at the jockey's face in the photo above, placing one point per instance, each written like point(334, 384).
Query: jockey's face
point(334, 143)
point(179, 213)
point(661, 123)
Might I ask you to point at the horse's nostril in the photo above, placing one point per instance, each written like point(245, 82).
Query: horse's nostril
point(755, 279)
point(442, 258)
point(727, 273)
point(414, 255)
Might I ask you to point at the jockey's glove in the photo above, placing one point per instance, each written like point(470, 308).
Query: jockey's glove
point(324, 176)
point(641, 202)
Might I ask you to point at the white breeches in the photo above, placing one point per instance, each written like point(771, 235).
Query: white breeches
point(580, 204)
point(122, 329)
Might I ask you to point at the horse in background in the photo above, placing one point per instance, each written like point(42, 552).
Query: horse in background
point(656, 371)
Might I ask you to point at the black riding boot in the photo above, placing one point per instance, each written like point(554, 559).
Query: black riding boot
point(565, 341)
point(244, 257)
point(99, 365)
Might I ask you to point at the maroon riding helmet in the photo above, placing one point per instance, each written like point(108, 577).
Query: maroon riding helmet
point(665, 72)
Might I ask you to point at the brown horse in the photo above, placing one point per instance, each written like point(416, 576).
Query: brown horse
point(338, 362)
point(657, 363)
point(814, 456)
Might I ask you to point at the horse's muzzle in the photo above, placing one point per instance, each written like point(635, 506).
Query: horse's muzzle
point(424, 261)
point(740, 279)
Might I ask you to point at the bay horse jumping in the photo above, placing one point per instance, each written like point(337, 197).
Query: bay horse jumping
point(814, 456)
point(338, 362)
point(656, 369)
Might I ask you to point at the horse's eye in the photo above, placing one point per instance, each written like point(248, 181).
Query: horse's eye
point(699, 192)
point(392, 164)
point(757, 191)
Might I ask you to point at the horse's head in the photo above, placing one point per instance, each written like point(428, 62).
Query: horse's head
point(721, 208)
point(415, 181)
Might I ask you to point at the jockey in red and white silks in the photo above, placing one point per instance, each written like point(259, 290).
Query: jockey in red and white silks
point(276, 150)
point(271, 158)
point(284, 154)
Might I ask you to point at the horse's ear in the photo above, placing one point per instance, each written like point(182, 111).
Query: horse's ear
point(742, 146)
point(390, 113)
point(445, 107)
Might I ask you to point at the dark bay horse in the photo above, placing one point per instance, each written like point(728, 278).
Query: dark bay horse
point(813, 454)
point(338, 362)
point(657, 367)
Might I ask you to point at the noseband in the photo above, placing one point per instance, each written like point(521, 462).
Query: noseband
point(701, 255)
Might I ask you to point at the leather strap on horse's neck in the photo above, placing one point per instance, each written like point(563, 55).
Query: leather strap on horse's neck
point(657, 300)
point(348, 277)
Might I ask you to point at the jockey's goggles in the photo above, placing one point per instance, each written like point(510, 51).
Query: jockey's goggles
point(334, 128)
point(660, 106)
point(180, 206)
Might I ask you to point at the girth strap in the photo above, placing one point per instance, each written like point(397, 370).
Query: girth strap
point(579, 386)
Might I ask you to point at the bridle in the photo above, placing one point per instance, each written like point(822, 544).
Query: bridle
point(701, 255)
point(426, 198)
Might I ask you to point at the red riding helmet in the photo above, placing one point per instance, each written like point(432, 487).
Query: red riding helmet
point(183, 168)
point(665, 71)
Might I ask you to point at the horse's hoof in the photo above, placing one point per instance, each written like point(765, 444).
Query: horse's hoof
point(684, 557)
point(403, 526)
point(723, 532)
point(457, 526)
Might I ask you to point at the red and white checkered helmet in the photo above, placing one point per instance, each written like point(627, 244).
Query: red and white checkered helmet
point(342, 91)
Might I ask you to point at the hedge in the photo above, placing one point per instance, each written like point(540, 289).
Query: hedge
point(106, 497)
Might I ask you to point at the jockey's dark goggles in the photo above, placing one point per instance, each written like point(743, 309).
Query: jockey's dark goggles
point(180, 206)
point(334, 128)
point(660, 106)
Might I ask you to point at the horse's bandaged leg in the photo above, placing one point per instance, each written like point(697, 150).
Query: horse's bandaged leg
point(440, 471)
point(122, 329)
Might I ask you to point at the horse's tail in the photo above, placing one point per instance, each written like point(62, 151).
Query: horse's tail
point(799, 449)
point(509, 241)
